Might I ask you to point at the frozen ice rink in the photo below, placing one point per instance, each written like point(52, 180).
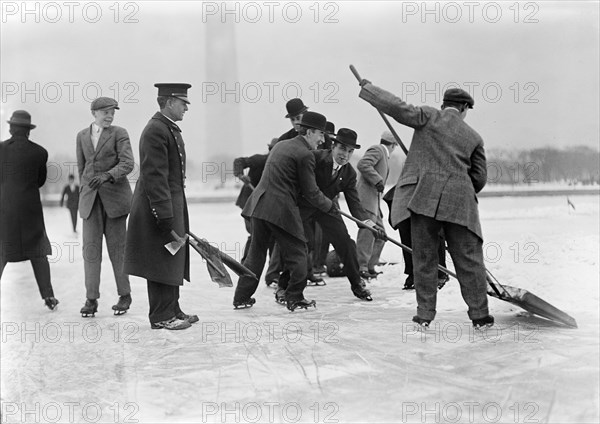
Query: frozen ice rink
point(346, 361)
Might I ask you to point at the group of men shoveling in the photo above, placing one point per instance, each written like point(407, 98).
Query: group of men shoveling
point(436, 193)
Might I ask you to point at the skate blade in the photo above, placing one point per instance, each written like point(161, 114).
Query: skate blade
point(483, 327)
point(244, 306)
point(317, 284)
point(313, 304)
point(119, 311)
point(92, 315)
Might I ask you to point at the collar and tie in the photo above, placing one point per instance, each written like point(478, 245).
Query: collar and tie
point(335, 170)
point(96, 133)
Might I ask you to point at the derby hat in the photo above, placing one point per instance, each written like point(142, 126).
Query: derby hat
point(21, 118)
point(347, 137)
point(295, 107)
point(314, 120)
point(330, 129)
point(104, 103)
point(177, 90)
point(456, 95)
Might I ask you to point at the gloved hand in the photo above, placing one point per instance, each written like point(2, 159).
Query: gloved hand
point(98, 180)
point(165, 225)
point(245, 179)
point(379, 186)
point(363, 82)
point(334, 209)
point(379, 233)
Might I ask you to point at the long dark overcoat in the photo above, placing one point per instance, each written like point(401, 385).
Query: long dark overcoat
point(159, 194)
point(22, 173)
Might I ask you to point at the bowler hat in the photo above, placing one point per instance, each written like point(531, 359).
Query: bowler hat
point(21, 118)
point(295, 107)
point(330, 129)
point(388, 138)
point(178, 90)
point(104, 103)
point(314, 120)
point(456, 95)
point(347, 137)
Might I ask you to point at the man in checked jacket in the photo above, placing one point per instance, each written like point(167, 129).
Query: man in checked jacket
point(444, 169)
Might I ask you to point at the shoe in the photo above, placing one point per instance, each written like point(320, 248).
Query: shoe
point(409, 284)
point(483, 322)
point(292, 305)
point(421, 321)
point(318, 270)
point(272, 283)
point(51, 302)
point(367, 275)
point(189, 318)
point(244, 303)
point(313, 280)
point(442, 281)
point(90, 308)
point(280, 297)
point(362, 292)
point(372, 271)
point(122, 305)
point(171, 324)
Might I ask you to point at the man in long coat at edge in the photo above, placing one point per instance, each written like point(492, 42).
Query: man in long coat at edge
point(159, 207)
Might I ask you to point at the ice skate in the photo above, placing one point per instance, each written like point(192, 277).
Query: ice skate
point(442, 281)
point(421, 322)
point(409, 284)
point(482, 323)
point(51, 302)
point(90, 308)
point(319, 270)
point(171, 324)
point(280, 297)
point(368, 276)
point(362, 292)
point(189, 318)
point(244, 304)
point(122, 305)
point(292, 305)
point(313, 280)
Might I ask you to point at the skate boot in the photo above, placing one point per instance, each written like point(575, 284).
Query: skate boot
point(51, 302)
point(292, 305)
point(185, 317)
point(484, 322)
point(171, 324)
point(362, 292)
point(122, 305)
point(442, 281)
point(368, 276)
point(243, 304)
point(273, 284)
point(423, 323)
point(89, 309)
point(280, 297)
point(313, 280)
point(409, 284)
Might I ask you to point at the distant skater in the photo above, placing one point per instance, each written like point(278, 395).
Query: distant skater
point(71, 192)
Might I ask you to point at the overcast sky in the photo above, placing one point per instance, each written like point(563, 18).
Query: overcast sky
point(532, 67)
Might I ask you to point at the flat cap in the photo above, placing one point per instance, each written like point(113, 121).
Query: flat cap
point(388, 137)
point(456, 95)
point(104, 103)
point(174, 89)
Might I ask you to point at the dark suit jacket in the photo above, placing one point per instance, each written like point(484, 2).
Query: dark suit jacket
point(113, 155)
point(71, 195)
point(344, 182)
point(22, 173)
point(159, 194)
point(288, 174)
point(288, 135)
point(445, 166)
point(255, 165)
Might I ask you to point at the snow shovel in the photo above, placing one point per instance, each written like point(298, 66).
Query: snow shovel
point(520, 297)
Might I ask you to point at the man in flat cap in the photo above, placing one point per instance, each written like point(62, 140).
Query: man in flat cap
point(374, 170)
point(273, 210)
point(159, 211)
point(444, 169)
point(104, 159)
point(22, 230)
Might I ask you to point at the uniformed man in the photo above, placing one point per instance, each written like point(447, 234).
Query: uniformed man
point(159, 211)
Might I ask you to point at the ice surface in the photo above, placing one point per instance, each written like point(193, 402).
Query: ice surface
point(346, 361)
